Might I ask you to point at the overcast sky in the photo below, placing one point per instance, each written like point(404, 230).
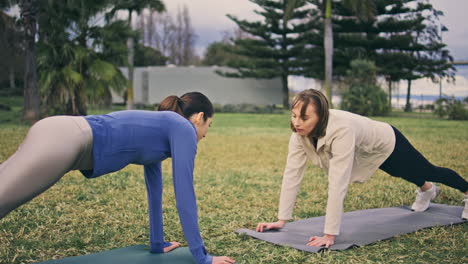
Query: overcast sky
point(209, 20)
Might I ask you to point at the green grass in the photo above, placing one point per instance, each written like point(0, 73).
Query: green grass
point(416, 114)
point(14, 115)
point(237, 179)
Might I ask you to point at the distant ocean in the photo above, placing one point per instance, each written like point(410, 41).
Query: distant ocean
point(459, 90)
point(423, 91)
point(416, 100)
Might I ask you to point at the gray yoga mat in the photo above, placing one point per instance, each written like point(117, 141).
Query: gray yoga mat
point(363, 227)
point(130, 255)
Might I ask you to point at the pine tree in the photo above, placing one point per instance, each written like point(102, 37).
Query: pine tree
point(402, 38)
point(276, 46)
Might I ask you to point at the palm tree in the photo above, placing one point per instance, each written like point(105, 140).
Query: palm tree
point(134, 6)
point(29, 12)
point(74, 58)
point(71, 75)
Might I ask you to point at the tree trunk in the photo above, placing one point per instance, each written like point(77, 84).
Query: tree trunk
point(81, 102)
point(76, 106)
point(130, 46)
point(284, 66)
point(107, 98)
point(408, 107)
point(284, 81)
point(31, 92)
point(328, 46)
point(12, 78)
point(389, 93)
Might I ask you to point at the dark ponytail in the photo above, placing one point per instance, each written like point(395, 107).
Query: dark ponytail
point(171, 103)
point(188, 104)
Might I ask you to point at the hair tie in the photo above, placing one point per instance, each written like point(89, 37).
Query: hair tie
point(179, 102)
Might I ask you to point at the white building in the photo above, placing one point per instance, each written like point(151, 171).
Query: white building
point(152, 84)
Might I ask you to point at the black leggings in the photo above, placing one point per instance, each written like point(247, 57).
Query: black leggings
point(407, 163)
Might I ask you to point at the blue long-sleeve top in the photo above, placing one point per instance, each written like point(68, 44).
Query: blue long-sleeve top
point(147, 138)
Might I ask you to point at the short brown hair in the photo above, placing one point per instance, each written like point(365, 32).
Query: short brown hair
point(320, 102)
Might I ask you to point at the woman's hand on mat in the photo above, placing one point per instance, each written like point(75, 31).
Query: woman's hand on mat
point(326, 240)
point(173, 245)
point(222, 260)
point(265, 226)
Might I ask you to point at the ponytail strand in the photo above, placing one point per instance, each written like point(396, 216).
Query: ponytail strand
point(171, 103)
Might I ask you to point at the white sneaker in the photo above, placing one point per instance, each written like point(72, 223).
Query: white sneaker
point(423, 199)
point(465, 211)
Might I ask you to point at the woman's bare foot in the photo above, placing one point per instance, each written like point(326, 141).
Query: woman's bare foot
point(222, 260)
point(173, 246)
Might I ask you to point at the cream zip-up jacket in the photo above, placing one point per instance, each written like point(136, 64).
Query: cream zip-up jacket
point(351, 151)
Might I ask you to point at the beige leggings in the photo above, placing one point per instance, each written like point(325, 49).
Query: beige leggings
point(52, 147)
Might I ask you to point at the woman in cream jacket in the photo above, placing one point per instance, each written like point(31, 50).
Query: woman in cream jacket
point(350, 148)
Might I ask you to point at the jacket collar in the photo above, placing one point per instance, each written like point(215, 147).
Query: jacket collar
point(321, 142)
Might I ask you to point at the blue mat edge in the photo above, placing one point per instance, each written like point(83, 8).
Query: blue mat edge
point(138, 247)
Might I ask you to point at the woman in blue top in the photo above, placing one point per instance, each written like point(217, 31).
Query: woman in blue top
point(100, 144)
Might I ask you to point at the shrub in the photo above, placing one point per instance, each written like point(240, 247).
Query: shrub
point(217, 108)
point(451, 108)
point(247, 108)
point(363, 95)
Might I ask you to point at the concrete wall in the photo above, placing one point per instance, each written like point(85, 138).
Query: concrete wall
point(164, 81)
